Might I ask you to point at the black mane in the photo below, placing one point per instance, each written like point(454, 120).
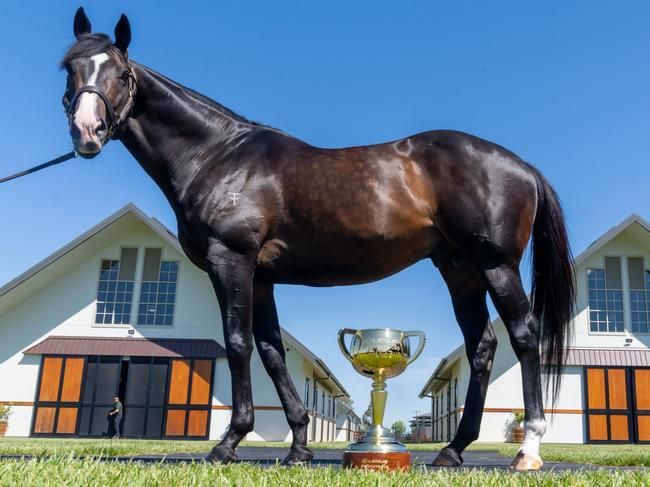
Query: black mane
point(88, 45)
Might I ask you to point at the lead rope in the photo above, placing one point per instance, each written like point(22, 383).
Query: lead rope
point(58, 160)
point(115, 125)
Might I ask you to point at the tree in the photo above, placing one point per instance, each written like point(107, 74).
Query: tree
point(366, 419)
point(397, 429)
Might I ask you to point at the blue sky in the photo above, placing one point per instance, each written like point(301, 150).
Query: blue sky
point(562, 84)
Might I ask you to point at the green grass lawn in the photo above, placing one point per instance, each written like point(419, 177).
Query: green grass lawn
point(71, 472)
point(61, 467)
point(617, 455)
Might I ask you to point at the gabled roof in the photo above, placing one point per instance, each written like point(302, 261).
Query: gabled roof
point(315, 361)
point(605, 238)
point(611, 234)
point(441, 369)
point(130, 208)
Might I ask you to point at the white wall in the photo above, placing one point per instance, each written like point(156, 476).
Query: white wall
point(505, 393)
point(65, 306)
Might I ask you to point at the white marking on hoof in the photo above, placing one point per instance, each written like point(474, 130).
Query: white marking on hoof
point(524, 462)
point(528, 456)
point(534, 430)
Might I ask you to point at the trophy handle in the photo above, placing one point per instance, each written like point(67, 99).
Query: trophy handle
point(422, 340)
point(344, 349)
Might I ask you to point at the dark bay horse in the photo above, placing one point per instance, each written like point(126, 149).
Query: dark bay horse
point(256, 207)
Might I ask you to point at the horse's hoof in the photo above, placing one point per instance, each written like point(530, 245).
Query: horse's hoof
point(298, 456)
point(221, 454)
point(448, 457)
point(525, 462)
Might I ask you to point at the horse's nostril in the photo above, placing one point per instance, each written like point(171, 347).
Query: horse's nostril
point(101, 128)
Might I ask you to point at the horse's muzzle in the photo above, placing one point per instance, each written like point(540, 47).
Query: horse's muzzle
point(88, 150)
point(87, 139)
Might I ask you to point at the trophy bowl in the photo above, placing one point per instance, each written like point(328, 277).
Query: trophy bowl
point(378, 353)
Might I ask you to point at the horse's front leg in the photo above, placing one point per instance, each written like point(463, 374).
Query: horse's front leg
point(232, 276)
point(266, 330)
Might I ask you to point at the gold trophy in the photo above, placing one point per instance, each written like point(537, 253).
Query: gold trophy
point(379, 353)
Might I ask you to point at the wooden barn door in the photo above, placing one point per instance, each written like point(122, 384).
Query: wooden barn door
point(642, 404)
point(58, 396)
point(189, 398)
point(608, 411)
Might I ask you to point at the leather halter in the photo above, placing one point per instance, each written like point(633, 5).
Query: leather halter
point(114, 120)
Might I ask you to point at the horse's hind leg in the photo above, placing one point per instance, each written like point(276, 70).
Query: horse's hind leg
point(510, 300)
point(268, 339)
point(468, 292)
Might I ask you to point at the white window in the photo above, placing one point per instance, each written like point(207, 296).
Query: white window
point(639, 280)
point(158, 289)
point(115, 288)
point(606, 297)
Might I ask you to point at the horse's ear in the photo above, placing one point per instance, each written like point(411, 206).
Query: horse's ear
point(122, 33)
point(81, 24)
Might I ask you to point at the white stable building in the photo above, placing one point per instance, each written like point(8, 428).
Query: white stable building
point(121, 310)
point(605, 393)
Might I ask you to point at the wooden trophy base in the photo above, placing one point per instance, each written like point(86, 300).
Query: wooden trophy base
point(377, 460)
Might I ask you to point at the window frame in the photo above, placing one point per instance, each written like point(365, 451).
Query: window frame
point(624, 287)
point(629, 328)
point(136, 288)
point(139, 275)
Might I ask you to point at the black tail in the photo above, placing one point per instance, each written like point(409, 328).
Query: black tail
point(553, 289)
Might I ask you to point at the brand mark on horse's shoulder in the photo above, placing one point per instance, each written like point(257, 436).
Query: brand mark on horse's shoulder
point(234, 197)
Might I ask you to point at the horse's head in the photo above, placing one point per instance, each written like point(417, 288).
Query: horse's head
point(100, 87)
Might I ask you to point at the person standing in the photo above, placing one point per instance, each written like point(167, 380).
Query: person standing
point(116, 415)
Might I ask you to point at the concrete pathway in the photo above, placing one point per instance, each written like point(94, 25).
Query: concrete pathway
point(268, 456)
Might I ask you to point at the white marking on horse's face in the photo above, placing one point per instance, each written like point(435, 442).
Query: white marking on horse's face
point(534, 430)
point(84, 117)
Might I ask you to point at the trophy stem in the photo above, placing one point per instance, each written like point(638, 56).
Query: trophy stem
point(378, 397)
